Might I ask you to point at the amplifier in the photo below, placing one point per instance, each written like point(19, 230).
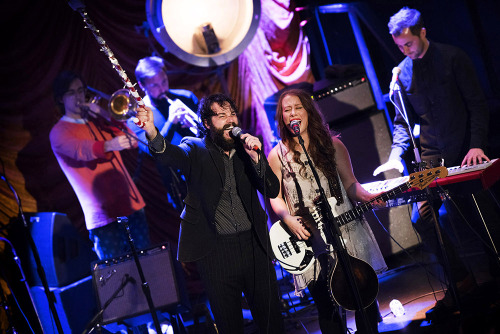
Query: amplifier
point(337, 99)
point(64, 254)
point(120, 275)
point(75, 306)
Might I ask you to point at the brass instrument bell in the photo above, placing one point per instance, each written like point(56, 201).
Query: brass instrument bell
point(121, 105)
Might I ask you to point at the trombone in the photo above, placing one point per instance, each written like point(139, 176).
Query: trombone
point(121, 106)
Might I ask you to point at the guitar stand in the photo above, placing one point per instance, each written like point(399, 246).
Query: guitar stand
point(333, 237)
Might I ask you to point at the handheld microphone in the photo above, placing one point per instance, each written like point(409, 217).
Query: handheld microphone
point(236, 132)
point(295, 125)
point(395, 74)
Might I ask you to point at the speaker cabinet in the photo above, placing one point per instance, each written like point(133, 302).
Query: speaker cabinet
point(121, 276)
point(65, 255)
point(75, 306)
point(339, 99)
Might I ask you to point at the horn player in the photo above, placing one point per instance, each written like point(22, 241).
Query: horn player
point(174, 115)
point(88, 151)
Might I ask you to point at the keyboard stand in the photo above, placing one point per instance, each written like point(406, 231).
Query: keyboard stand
point(492, 242)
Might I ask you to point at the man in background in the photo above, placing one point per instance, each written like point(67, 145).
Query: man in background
point(87, 147)
point(174, 116)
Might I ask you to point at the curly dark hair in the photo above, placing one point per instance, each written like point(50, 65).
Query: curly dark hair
point(321, 149)
point(205, 107)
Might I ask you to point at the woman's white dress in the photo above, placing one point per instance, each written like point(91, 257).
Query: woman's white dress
point(299, 193)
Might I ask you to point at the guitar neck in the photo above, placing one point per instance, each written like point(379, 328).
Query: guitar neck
point(359, 210)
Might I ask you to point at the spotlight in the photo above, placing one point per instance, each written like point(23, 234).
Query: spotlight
point(204, 32)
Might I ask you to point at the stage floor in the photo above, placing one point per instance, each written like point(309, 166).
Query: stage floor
point(416, 281)
point(418, 291)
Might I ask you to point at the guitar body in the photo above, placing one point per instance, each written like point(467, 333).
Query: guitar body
point(365, 277)
point(294, 255)
point(366, 282)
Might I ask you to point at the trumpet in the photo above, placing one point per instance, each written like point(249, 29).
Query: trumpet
point(191, 119)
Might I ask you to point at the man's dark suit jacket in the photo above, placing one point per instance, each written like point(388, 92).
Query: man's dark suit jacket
point(203, 167)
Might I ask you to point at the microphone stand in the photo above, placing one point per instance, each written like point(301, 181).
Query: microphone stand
point(39, 267)
point(419, 166)
point(91, 325)
point(145, 286)
point(333, 237)
point(3, 300)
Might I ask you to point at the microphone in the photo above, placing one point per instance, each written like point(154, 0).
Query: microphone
point(236, 132)
point(395, 74)
point(295, 125)
point(129, 278)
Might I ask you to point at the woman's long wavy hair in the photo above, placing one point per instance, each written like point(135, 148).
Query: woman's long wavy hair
point(321, 149)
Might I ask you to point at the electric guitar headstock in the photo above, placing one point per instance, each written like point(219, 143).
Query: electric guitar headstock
point(424, 178)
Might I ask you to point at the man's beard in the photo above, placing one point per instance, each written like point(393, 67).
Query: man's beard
point(218, 138)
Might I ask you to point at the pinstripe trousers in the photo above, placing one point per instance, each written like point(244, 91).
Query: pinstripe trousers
point(237, 265)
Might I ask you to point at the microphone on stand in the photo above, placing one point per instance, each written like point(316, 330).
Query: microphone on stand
point(236, 132)
point(129, 278)
point(394, 82)
point(295, 125)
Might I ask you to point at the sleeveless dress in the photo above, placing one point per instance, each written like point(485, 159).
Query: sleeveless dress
point(299, 193)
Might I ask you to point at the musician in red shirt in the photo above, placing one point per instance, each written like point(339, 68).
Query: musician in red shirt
point(88, 151)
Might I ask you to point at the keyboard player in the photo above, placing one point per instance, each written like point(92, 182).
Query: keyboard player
point(444, 96)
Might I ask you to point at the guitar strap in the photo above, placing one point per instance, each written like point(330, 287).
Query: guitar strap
point(333, 183)
point(281, 157)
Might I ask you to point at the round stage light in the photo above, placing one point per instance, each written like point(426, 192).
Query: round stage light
point(204, 32)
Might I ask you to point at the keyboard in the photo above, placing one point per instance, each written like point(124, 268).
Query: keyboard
point(466, 179)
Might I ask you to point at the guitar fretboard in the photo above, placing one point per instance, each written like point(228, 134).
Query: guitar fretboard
point(359, 210)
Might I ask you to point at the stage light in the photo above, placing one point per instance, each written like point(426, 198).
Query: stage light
point(204, 32)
